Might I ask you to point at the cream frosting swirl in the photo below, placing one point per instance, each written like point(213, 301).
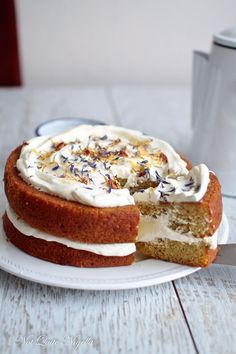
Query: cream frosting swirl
point(99, 165)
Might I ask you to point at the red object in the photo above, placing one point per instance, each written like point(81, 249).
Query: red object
point(9, 55)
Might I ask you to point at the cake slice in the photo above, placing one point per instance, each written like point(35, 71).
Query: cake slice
point(184, 232)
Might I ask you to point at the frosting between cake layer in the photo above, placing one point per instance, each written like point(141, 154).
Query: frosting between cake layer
point(87, 164)
point(151, 229)
point(106, 249)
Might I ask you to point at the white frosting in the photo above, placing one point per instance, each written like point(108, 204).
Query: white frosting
point(113, 249)
point(189, 188)
point(85, 164)
point(151, 229)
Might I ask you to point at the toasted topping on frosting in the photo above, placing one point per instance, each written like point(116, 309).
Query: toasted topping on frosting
point(103, 165)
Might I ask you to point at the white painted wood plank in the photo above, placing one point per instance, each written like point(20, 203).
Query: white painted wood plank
point(131, 321)
point(209, 302)
point(138, 321)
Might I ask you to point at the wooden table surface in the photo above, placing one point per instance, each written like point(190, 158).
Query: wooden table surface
point(196, 314)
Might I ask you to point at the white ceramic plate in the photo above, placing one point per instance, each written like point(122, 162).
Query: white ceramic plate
point(142, 273)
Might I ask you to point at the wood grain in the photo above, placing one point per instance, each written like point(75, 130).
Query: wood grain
point(193, 314)
point(209, 302)
point(133, 321)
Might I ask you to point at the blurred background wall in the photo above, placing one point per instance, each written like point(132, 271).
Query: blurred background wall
point(68, 42)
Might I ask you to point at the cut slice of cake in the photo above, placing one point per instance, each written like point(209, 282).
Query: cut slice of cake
point(181, 232)
point(86, 196)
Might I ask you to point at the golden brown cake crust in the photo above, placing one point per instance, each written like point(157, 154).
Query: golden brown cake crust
point(58, 253)
point(65, 218)
point(179, 252)
point(212, 203)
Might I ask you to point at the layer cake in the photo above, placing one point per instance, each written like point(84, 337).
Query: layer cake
point(90, 196)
